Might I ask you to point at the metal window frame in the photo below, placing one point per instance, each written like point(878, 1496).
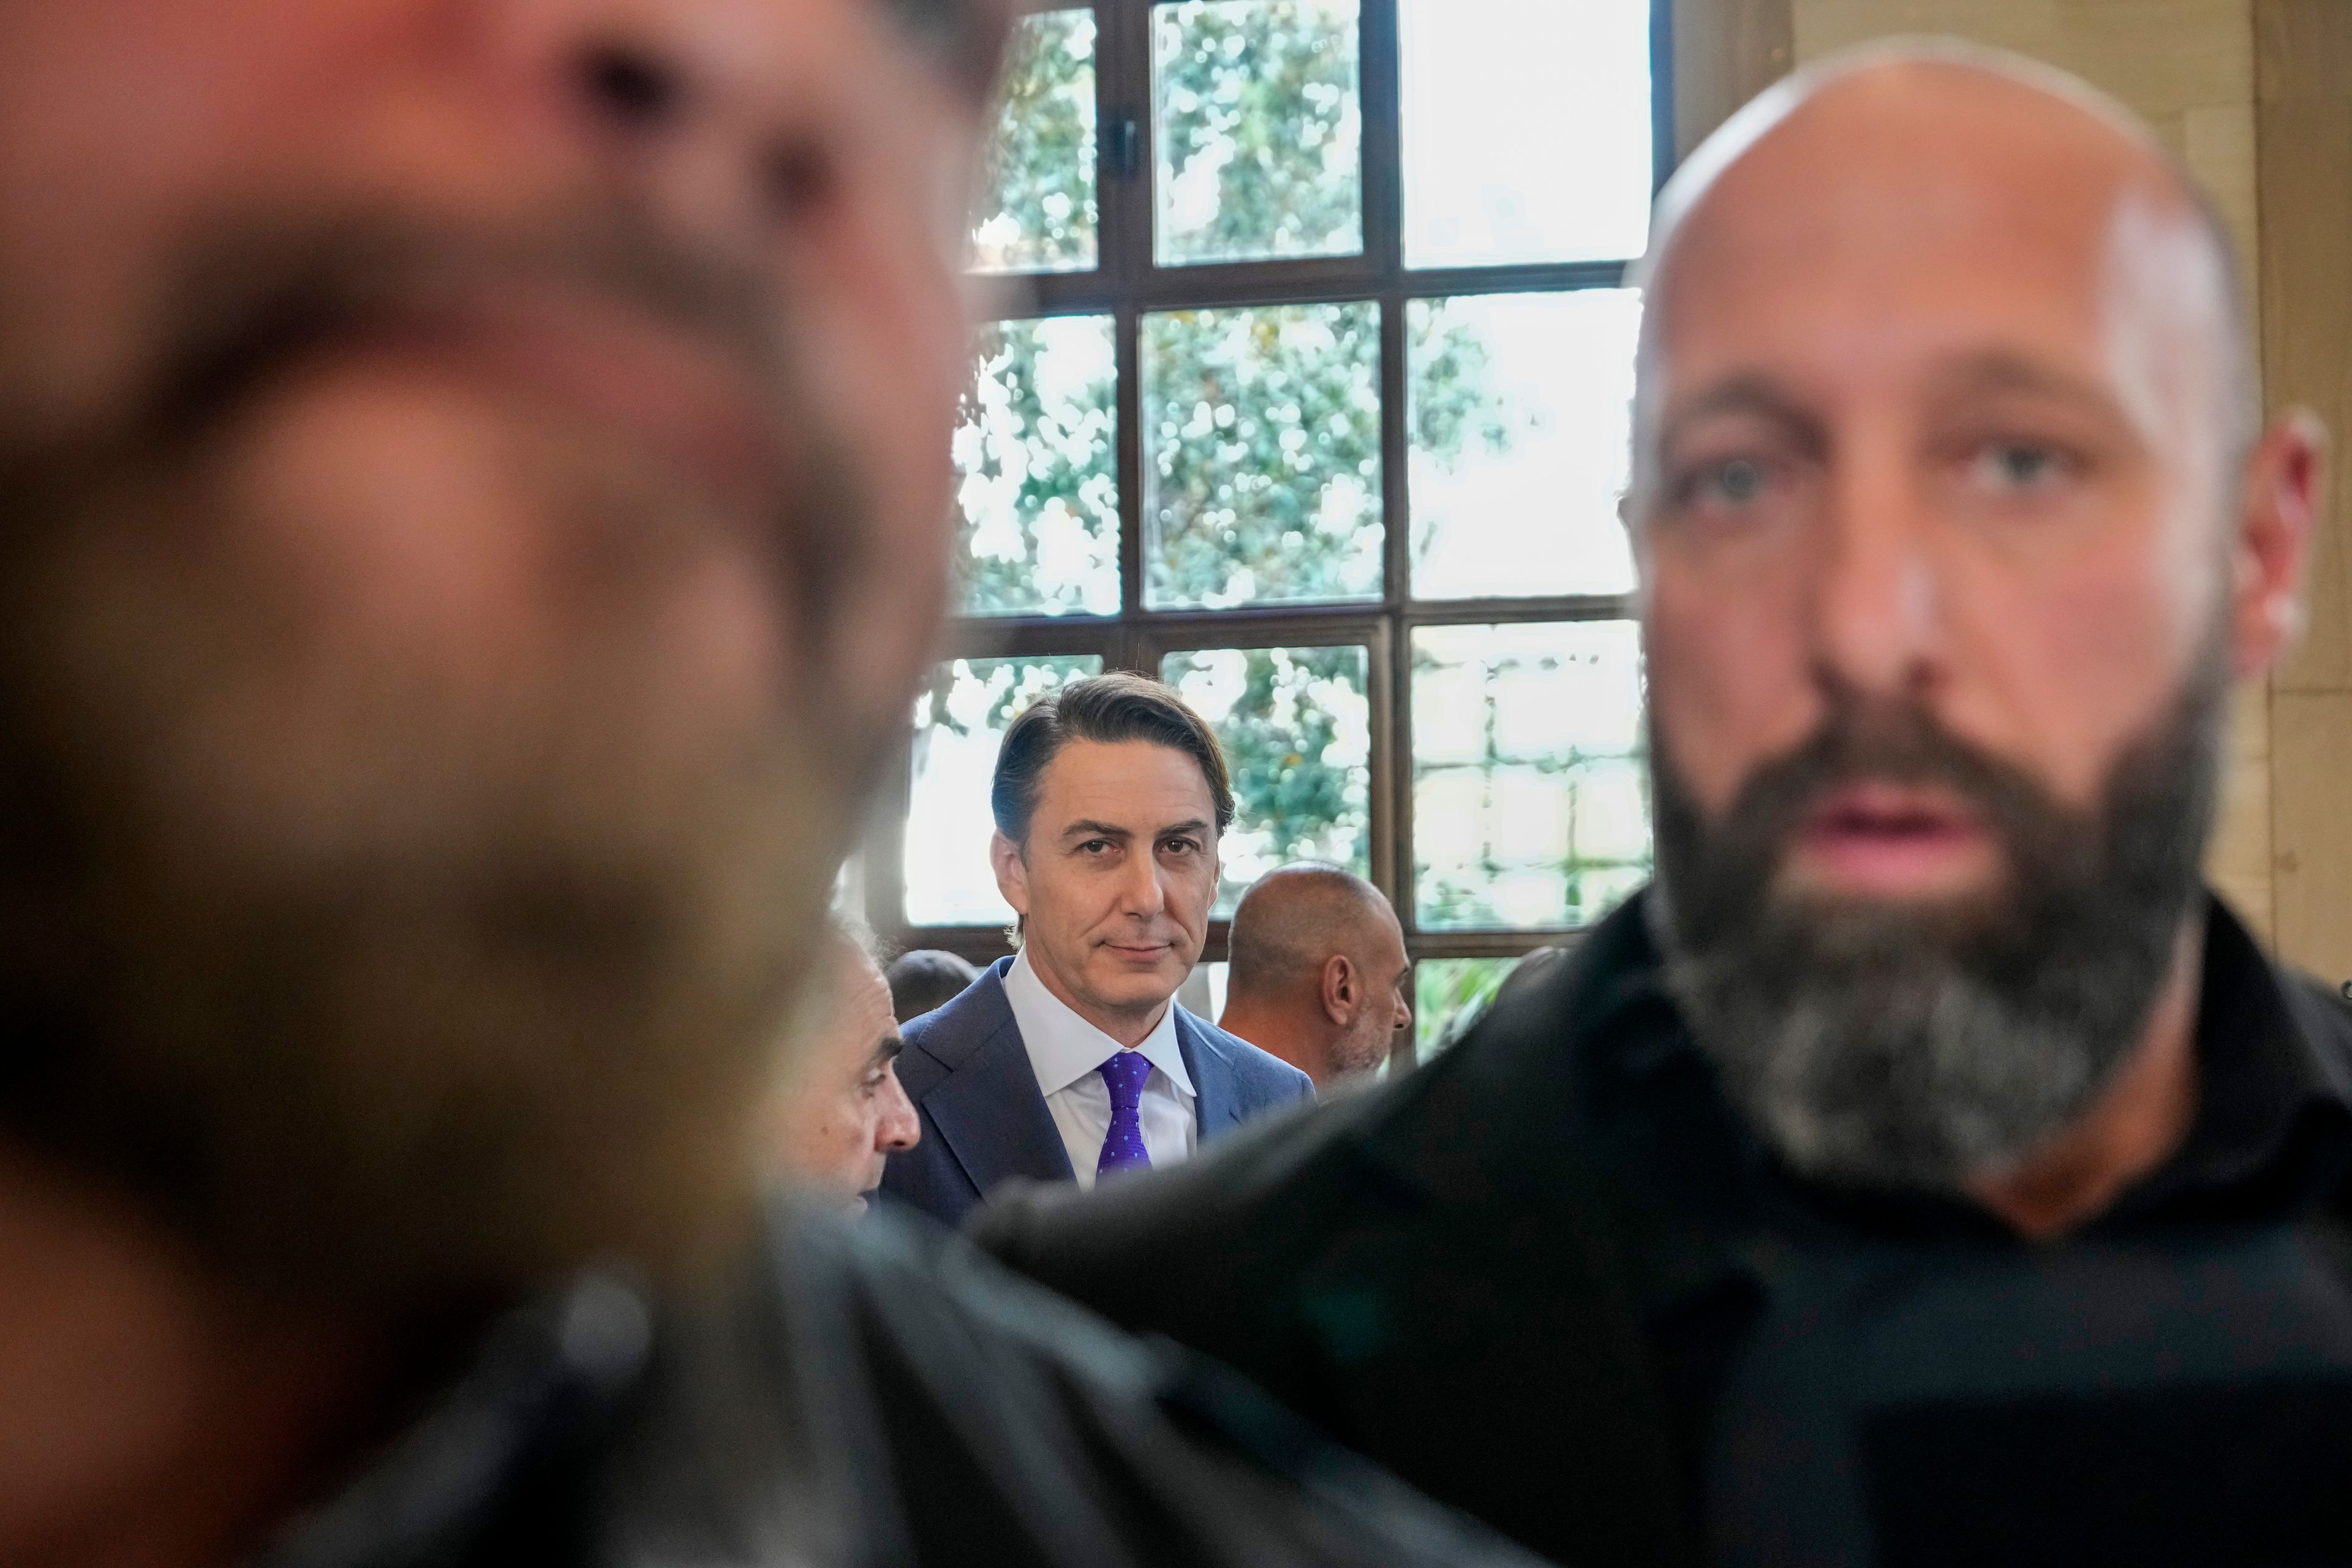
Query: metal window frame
point(1127, 285)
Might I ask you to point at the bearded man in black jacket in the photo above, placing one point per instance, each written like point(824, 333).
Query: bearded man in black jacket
point(1967, 1184)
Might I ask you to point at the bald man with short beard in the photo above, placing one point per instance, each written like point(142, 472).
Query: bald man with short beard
point(1317, 972)
point(1966, 1184)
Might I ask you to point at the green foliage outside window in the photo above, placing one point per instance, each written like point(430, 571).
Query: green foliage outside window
point(1260, 130)
point(1046, 215)
point(1295, 725)
point(1450, 995)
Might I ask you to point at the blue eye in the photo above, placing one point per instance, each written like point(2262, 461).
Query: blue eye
point(1736, 482)
point(2017, 465)
point(1739, 481)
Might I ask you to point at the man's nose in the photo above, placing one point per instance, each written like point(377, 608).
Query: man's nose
point(1404, 1012)
point(899, 1128)
point(1876, 612)
point(724, 117)
point(1141, 892)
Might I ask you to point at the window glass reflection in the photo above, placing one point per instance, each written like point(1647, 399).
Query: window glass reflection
point(960, 722)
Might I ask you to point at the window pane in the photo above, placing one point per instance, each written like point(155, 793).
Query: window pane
point(959, 723)
point(1038, 451)
point(1041, 215)
point(1522, 414)
point(1262, 455)
point(1527, 131)
point(1296, 724)
point(1259, 128)
point(1203, 994)
point(1450, 994)
point(1531, 796)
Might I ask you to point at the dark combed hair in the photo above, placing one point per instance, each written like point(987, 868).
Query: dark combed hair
point(1106, 709)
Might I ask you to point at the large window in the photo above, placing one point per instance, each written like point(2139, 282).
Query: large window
point(1310, 397)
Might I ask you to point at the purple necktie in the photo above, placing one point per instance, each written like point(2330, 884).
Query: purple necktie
point(1123, 1147)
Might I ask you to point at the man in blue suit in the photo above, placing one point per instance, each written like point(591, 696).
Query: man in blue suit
point(1071, 1060)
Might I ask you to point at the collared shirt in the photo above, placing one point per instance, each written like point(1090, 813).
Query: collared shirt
point(1063, 1052)
point(1900, 1378)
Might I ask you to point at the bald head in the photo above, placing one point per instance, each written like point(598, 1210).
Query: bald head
point(1318, 968)
point(1904, 142)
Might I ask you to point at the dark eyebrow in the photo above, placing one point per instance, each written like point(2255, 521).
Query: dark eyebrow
point(887, 1050)
point(1096, 830)
point(1195, 827)
point(1996, 370)
point(1758, 396)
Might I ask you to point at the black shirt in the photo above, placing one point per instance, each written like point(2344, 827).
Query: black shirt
point(1819, 1376)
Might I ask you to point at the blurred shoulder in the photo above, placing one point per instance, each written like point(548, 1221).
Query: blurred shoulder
point(1280, 1175)
point(1133, 1449)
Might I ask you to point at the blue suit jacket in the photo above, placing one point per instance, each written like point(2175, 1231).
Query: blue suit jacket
point(984, 1119)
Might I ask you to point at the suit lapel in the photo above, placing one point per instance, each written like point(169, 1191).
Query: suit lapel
point(990, 1113)
point(1215, 1107)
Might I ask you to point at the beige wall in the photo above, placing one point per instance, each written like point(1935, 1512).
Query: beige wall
point(2252, 132)
point(2303, 125)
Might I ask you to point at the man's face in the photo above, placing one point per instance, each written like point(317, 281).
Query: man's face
point(473, 484)
point(1118, 873)
point(1383, 970)
point(1935, 513)
point(843, 1113)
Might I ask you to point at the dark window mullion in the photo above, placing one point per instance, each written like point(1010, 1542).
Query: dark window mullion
point(884, 863)
point(1312, 281)
point(1383, 150)
point(1519, 612)
point(1132, 484)
point(1124, 67)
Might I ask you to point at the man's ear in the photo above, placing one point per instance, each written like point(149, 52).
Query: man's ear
point(1012, 872)
point(1341, 990)
point(2286, 485)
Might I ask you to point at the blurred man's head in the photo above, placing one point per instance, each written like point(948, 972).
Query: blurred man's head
point(1953, 525)
point(1110, 796)
point(925, 980)
point(471, 498)
point(1318, 971)
point(841, 1112)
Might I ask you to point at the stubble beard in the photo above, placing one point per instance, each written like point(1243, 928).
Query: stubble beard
point(368, 983)
point(1893, 1047)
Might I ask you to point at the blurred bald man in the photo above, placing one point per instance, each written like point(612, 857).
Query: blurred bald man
point(1927, 1168)
point(1317, 974)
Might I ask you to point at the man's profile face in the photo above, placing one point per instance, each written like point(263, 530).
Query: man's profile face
point(842, 1113)
point(1937, 516)
point(473, 484)
point(1116, 875)
point(1383, 970)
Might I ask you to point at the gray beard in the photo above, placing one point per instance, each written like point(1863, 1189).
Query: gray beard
point(1914, 1048)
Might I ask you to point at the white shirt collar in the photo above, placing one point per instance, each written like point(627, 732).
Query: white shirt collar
point(1063, 1047)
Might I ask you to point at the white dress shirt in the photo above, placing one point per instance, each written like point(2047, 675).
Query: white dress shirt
point(1063, 1052)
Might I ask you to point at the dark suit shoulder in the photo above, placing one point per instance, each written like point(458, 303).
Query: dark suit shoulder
point(941, 1040)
